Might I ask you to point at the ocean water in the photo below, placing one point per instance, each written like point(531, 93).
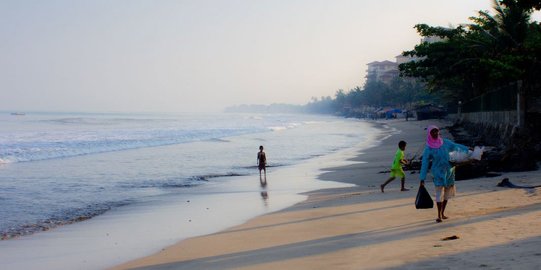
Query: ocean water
point(63, 168)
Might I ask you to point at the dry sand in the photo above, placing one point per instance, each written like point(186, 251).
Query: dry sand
point(362, 228)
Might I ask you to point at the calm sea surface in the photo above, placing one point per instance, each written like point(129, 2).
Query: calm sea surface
point(60, 168)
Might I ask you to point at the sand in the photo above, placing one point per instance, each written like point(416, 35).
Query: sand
point(361, 228)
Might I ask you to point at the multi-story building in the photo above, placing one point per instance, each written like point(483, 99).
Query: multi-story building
point(384, 71)
point(400, 59)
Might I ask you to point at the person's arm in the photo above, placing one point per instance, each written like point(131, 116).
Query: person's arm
point(424, 166)
point(456, 146)
point(404, 161)
point(401, 158)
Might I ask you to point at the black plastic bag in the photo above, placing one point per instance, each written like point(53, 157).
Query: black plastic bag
point(423, 200)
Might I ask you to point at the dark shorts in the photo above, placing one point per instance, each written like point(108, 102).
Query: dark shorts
point(261, 167)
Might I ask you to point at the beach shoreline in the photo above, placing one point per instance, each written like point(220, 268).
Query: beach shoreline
point(360, 227)
point(146, 226)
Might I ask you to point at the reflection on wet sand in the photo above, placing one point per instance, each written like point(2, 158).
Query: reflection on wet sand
point(264, 194)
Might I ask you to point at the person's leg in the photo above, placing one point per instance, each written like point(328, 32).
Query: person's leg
point(402, 183)
point(439, 204)
point(386, 182)
point(449, 192)
point(439, 199)
point(443, 205)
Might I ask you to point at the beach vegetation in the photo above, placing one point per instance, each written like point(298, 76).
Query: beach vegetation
point(404, 93)
point(453, 64)
point(471, 59)
point(457, 63)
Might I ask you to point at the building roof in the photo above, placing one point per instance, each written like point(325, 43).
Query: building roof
point(382, 63)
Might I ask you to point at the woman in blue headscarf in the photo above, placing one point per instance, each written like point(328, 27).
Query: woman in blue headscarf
point(437, 150)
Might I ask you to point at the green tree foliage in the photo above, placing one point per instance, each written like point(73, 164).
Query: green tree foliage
point(325, 105)
point(472, 59)
point(465, 62)
point(524, 4)
point(400, 93)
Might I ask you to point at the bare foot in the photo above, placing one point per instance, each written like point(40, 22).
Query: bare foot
point(438, 220)
point(444, 217)
point(404, 189)
point(381, 186)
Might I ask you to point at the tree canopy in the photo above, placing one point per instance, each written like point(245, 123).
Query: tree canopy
point(471, 59)
point(458, 63)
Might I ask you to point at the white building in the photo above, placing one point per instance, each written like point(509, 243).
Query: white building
point(384, 71)
point(400, 59)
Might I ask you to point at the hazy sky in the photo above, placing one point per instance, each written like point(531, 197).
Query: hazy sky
point(200, 55)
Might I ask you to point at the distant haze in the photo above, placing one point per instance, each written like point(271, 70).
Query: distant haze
point(200, 55)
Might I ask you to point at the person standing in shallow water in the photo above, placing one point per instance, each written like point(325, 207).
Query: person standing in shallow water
point(437, 150)
point(396, 169)
point(262, 162)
